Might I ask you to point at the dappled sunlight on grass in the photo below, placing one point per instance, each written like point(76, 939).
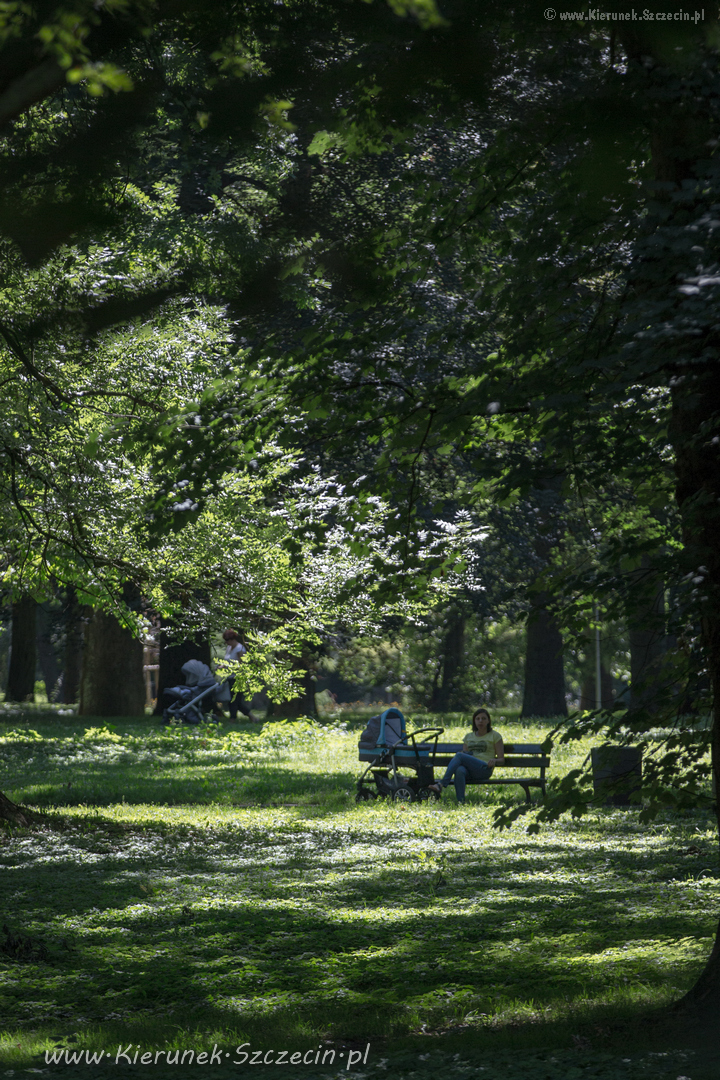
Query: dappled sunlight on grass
point(274, 908)
point(64, 765)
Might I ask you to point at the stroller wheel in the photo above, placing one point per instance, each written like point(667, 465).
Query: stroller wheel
point(363, 795)
point(403, 794)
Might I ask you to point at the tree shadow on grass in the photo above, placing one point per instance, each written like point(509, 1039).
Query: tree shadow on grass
point(265, 946)
point(183, 771)
point(248, 784)
point(245, 781)
point(276, 934)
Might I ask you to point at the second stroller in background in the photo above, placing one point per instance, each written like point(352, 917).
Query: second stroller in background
point(191, 704)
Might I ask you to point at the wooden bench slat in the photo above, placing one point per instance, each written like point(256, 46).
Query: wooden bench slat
point(445, 758)
point(513, 762)
point(524, 748)
point(525, 762)
point(455, 748)
point(537, 780)
point(510, 748)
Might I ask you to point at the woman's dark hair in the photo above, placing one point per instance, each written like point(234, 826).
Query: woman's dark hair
point(477, 713)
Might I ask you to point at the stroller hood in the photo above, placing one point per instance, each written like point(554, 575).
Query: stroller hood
point(196, 672)
point(384, 730)
point(392, 727)
point(200, 676)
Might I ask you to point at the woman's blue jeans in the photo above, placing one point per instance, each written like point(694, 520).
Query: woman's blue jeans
point(462, 768)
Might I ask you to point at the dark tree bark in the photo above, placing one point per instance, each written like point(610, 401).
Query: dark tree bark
point(544, 683)
point(23, 658)
point(10, 811)
point(588, 696)
point(445, 694)
point(173, 654)
point(112, 681)
point(698, 494)
point(646, 626)
point(544, 690)
point(304, 703)
point(46, 651)
point(75, 617)
point(21, 685)
point(679, 141)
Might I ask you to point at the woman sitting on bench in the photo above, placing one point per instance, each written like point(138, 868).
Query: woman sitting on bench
point(482, 749)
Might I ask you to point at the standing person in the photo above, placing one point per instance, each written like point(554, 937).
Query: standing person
point(234, 649)
point(482, 749)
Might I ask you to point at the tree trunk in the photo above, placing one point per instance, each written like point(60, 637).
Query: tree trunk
point(46, 651)
point(10, 811)
point(544, 683)
point(112, 681)
point(646, 625)
point(74, 634)
point(698, 494)
point(21, 672)
point(544, 691)
point(445, 695)
point(679, 143)
point(173, 654)
point(588, 694)
point(304, 703)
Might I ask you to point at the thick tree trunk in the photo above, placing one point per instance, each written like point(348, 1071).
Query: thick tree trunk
point(646, 652)
point(695, 404)
point(646, 626)
point(21, 672)
point(705, 994)
point(21, 685)
point(679, 143)
point(544, 682)
point(112, 681)
point(173, 654)
point(588, 693)
point(46, 651)
point(544, 691)
point(10, 811)
point(75, 616)
point(445, 695)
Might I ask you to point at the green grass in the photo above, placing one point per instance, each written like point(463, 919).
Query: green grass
point(195, 888)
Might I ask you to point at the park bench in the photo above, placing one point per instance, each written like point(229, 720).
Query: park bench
point(519, 757)
point(525, 765)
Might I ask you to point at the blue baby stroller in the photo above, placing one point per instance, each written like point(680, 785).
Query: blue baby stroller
point(386, 746)
point(191, 703)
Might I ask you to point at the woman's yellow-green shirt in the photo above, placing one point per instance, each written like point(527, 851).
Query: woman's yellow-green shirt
point(482, 746)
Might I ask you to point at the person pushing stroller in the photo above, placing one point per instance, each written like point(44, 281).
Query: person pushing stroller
point(201, 694)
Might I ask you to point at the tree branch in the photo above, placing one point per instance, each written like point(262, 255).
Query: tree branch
point(34, 85)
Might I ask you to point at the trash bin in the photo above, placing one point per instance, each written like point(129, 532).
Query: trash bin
point(617, 773)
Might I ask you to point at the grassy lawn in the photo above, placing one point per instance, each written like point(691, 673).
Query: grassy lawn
point(199, 889)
